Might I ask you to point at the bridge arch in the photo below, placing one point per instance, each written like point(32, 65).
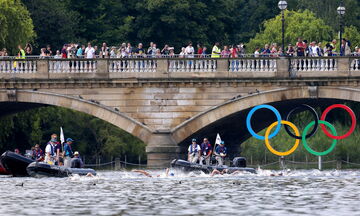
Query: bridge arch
point(75, 103)
point(292, 95)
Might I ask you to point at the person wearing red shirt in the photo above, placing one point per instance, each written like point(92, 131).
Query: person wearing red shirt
point(300, 47)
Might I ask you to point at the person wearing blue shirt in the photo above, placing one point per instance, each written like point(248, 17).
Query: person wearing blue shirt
point(220, 153)
point(68, 153)
point(206, 152)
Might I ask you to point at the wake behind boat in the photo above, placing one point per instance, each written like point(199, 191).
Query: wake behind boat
point(15, 163)
point(186, 166)
point(40, 169)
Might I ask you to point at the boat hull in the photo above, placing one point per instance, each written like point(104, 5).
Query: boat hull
point(40, 169)
point(3, 171)
point(190, 167)
point(15, 164)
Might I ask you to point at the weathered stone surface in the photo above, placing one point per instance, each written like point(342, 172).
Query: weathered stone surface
point(164, 111)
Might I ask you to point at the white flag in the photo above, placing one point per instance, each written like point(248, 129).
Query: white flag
point(62, 138)
point(218, 139)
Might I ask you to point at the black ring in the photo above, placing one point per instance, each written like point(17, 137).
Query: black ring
point(303, 107)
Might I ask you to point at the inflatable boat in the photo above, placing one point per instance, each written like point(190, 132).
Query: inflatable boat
point(15, 163)
point(185, 166)
point(40, 169)
point(3, 171)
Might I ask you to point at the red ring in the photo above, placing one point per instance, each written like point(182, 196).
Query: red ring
point(353, 121)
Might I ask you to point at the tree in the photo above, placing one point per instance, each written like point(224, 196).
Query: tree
point(326, 10)
point(297, 24)
point(55, 24)
point(353, 35)
point(16, 26)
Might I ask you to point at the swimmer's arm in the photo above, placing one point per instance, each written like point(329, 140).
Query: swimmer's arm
point(142, 172)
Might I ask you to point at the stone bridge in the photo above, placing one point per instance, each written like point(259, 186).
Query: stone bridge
point(165, 102)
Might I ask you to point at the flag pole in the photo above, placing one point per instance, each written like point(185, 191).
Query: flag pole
point(62, 139)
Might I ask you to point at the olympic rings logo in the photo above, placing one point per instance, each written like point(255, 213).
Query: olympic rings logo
point(333, 135)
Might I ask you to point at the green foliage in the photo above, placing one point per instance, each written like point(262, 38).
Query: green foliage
point(16, 26)
point(176, 22)
point(54, 23)
point(93, 137)
point(349, 147)
point(352, 34)
point(326, 10)
point(297, 24)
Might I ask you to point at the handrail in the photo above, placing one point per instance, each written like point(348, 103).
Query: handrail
point(180, 67)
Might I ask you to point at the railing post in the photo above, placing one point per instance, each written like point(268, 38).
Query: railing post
point(343, 66)
point(42, 69)
point(282, 67)
point(117, 164)
point(102, 68)
point(222, 68)
point(162, 69)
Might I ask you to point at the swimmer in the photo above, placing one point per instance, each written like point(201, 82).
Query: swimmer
point(167, 173)
point(142, 172)
point(224, 171)
point(275, 174)
point(90, 175)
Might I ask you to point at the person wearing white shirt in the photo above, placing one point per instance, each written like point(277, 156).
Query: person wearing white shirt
point(189, 51)
point(90, 52)
point(194, 151)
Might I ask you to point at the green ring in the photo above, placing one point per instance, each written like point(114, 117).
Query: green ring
point(303, 136)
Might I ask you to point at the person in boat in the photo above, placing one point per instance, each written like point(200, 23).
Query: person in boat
point(220, 153)
point(37, 153)
point(17, 151)
point(52, 150)
point(206, 151)
point(194, 151)
point(76, 161)
point(68, 153)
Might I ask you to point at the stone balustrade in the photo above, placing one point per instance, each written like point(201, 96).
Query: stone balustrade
point(179, 67)
point(253, 64)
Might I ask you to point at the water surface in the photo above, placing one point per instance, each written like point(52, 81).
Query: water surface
point(298, 192)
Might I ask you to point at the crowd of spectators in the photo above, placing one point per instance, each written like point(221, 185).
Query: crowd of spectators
point(126, 50)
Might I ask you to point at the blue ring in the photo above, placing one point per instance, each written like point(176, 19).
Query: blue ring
point(264, 106)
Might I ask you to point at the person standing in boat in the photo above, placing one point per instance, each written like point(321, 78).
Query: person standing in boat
point(206, 151)
point(220, 153)
point(37, 153)
point(68, 153)
point(194, 152)
point(52, 150)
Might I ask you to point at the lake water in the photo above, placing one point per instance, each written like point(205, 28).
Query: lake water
point(309, 192)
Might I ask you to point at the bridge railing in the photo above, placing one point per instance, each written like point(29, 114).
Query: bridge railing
point(249, 67)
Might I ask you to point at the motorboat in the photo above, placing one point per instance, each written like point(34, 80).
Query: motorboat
point(41, 169)
point(15, 163)
point(239, 164)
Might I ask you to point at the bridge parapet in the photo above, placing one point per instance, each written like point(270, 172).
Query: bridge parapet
point(180, 67)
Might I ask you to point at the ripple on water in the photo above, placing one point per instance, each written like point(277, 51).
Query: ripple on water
point(309, 192)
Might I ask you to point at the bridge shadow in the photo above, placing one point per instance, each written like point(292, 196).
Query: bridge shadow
point(233, 130)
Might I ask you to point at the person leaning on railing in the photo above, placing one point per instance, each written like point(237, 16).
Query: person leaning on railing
point(216, 51)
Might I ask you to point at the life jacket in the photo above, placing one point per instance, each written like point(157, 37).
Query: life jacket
point(215, 52)
point(205, 148)
point(38, 154)
point(52, 152)
point(192, 150)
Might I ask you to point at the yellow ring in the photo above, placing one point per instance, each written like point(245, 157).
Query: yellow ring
point(267, 143)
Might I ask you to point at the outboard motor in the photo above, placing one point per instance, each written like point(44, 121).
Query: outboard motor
point(75, 163)
point(239, 162)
